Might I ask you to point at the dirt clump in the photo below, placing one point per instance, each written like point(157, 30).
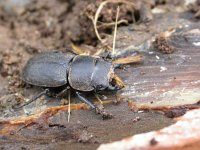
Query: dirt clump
point(162, 44)
point(105, 13)
point(86, 137)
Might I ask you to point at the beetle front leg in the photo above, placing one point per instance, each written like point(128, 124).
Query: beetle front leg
point(98, 108)
point(85, 100)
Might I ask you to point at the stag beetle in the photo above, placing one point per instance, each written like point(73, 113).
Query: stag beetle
point(79, 72)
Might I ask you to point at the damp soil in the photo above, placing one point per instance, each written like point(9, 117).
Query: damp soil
point(47, 25)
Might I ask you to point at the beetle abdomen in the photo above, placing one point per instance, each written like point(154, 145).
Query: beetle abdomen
point(47, 69)
point(88, 73)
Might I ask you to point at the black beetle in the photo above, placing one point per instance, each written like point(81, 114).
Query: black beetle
point(79, 72)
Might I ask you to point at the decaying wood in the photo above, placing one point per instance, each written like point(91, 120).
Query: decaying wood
point(40, 118)
point(183, 135)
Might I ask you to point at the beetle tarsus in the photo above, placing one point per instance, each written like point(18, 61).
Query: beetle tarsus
point(33, 99)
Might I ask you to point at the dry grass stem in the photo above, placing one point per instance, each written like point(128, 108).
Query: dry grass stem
point(115, 31)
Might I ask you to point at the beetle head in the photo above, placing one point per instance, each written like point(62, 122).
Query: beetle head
point(102, 74)
point(113, 82)
point(104, 77)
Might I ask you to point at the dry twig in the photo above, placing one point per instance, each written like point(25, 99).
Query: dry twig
point(97, 14)
point(115, 31)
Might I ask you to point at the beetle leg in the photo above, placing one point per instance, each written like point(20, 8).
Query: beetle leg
point(85, 100)
point(98, 109)
point(32, 100)
point(63, 92)
point(128, 60)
